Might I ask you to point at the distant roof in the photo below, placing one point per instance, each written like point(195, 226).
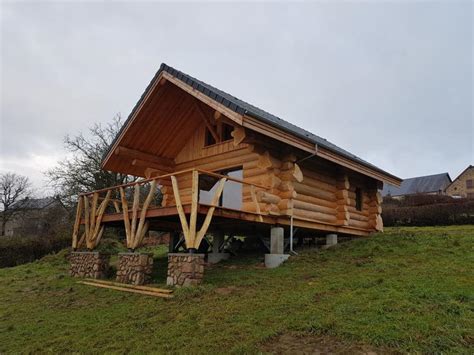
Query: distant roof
point(244, 108)
point(34, 203)
point(418, 185)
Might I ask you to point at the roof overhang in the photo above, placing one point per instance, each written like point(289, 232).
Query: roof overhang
point(244, 119)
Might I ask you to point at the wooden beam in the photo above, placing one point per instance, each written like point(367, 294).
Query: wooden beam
point(77, 222)
point(139, 233)
point(232, 115)
point(179, 207)
point(145, 164)
point(86, 217)
point(148, 293)
point(126, 218)
point(136, 202)
point(207, 121)
point(210, 212)
point(137, 154)
point(138, 287)
point(239, 135)
point(194, 205)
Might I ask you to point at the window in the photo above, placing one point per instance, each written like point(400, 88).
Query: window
point(358, 198)
point(222, 131)
point(209, 138)
point(231, 196)
point(226, 132)
point(470, 195)
point(469, 184)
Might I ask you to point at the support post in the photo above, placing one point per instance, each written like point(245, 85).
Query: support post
point(216, 255)
point(276, 256)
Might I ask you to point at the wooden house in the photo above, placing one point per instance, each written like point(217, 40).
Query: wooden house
point(223, 165)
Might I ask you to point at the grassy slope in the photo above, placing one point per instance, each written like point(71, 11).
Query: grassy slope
point(410, 289)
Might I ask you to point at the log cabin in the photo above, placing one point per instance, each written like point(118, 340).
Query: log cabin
point(222, 165)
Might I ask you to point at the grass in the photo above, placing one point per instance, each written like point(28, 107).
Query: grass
point(408, 290)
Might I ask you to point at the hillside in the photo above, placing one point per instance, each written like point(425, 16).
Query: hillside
point(408, 289)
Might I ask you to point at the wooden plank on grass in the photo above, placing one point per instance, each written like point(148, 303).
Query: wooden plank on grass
point(148, 293)
point(144, 288)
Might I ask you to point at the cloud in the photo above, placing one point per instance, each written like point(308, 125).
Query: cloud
point(390, 82)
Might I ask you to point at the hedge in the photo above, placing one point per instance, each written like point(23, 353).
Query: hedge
point(427, 211)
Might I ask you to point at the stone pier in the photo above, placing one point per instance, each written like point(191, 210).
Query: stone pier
point(185, 269)
point(135, 268)
point(89, 264)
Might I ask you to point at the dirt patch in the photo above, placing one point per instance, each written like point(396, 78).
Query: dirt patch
point(226, 290)
point(297, 343)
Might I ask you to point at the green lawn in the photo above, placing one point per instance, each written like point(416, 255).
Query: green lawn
point(407, 290)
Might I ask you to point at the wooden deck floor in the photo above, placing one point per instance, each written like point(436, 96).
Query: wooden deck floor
point(166, 219)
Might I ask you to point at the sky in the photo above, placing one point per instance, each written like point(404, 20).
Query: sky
point(391, 82)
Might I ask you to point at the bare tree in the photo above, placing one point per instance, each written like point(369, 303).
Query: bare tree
point(82, 171)
point(13, 189)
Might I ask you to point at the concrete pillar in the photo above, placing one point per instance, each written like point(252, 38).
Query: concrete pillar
point(331, 239)
point(217, 240)
point(276, 256)
point(216, 255)
point(277, 235)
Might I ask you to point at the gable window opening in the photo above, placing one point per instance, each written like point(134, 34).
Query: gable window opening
point(358, 198)
point(223, 132)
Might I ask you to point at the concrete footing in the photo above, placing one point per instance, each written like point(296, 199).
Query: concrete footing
point(275, 260)
point(276, 256)
point(331, 240)
point(214, 258)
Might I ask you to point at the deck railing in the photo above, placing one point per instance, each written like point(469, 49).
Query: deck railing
point(134, 199)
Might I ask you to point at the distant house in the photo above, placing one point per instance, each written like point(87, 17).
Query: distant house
point(426, 185)
point(34, 216)
point(463, 185)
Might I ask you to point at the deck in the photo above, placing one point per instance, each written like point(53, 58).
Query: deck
point(133, 207)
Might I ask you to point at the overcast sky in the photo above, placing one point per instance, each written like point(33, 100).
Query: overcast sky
point(391, 82)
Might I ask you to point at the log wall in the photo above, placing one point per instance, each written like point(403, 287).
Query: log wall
point(313, 190)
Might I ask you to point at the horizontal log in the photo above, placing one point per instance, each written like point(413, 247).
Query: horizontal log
point(358, 224)
point(286, 204)
point(306, 190)
point(205, 161)
point(316, 216)
point(316, 200)
point(319, 184)
point(314, 207)
point(358, 217)
point(287, 194)
point(250, 206)
point(136, 154)
point(267, 197)
point(323, 176)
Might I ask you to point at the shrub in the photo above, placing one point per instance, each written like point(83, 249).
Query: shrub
point(20, 250)
point(421, 210)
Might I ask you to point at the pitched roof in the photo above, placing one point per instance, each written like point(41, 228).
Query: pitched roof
point(244, 108)
point(420, 184)
point(469, 167)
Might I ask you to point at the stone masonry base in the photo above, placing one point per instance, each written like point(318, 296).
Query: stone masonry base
point(134, 268)
point(89, 264)
point(185, 269)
